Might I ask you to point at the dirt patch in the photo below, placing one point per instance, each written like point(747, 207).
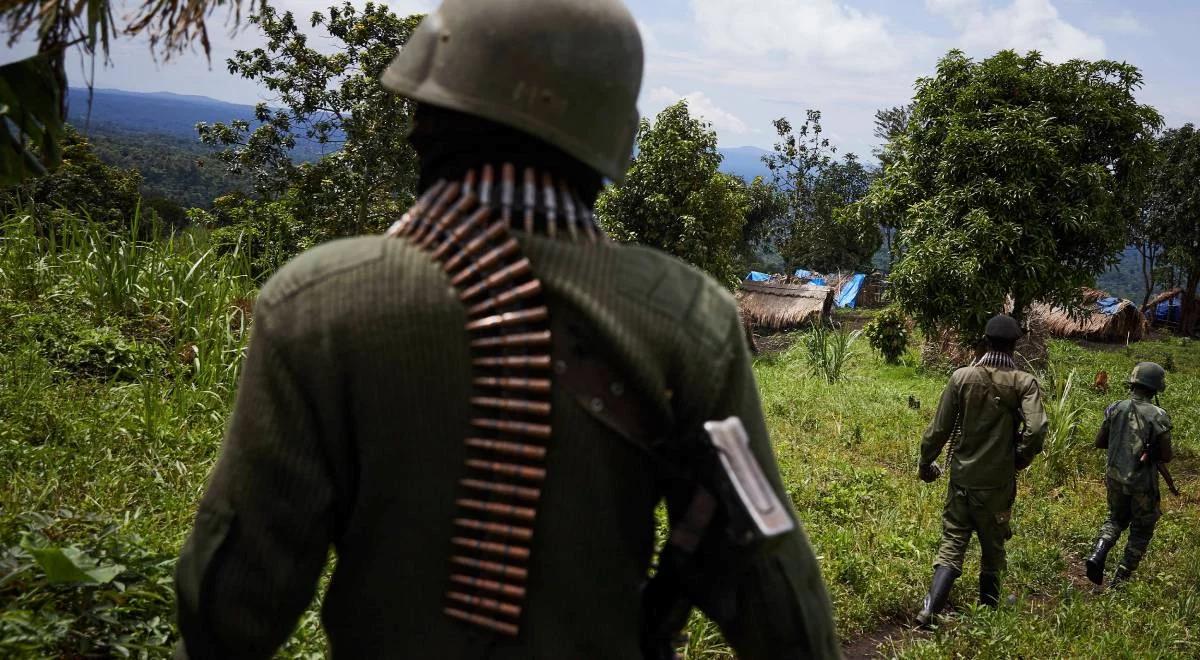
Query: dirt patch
point(772, 343)
point(1077, 574)
point(887, 636)
point(854, 319)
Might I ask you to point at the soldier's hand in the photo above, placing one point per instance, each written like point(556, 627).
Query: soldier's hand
point(929, 473)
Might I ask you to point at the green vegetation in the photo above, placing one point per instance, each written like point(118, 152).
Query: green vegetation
point(120, 359)
point(334, 99)
point(889, 333)
point(182, 171)
point(32, 90)
point(1014, 177)
point(673, 198)
point(812, 232)
point(1174, 213)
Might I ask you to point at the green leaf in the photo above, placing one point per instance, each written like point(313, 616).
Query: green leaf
point(30, 119)
point(69, 564)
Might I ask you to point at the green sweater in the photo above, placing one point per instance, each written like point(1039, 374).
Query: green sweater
point(347, 434)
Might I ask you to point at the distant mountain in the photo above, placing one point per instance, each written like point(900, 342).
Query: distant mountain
point(163, 113)
point(745, 162)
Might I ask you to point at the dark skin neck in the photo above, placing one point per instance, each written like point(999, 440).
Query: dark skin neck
point(449, 144)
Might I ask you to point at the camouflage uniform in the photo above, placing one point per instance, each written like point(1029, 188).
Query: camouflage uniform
point(1137, 434)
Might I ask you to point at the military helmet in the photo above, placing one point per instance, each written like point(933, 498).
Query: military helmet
point(1003, 327)
point(565, 71)
point(1149, 375)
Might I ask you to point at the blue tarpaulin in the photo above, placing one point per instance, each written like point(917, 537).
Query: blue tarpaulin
point(756, 276)
point(819, 281)
point(1169, 310)
point(1108, 305)
point(848, 296)
point(803, 274)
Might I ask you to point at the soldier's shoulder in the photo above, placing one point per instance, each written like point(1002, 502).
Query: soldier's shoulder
point(1112, 407)
point(321, 264)
point(1026, 380)
point(1162, 417)
point(675, 289)
point(962, 374)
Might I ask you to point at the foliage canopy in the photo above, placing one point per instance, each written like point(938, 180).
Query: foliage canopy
point(333, 99)
point(814, 232)
point(1174, 212)
point(673, 198)
point(1014, 177)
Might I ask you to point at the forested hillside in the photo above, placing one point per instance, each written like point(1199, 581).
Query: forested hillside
point(175, 168)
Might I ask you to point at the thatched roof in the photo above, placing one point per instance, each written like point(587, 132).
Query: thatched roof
point(1120, 322)
point(782, 306)
point(1165, 296)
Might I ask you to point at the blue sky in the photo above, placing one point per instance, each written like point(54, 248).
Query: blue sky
point(742, 63)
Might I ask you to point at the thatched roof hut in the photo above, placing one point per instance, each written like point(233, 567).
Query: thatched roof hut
point(784, 306)
point(1166, 308)
point(1103, 318)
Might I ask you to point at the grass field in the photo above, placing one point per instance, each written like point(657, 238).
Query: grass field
point(118, 362)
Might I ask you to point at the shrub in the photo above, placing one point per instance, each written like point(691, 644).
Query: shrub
point(888, 333)
point(98, 594)
point(1060, 459)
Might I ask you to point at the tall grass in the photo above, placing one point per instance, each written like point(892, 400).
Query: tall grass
point(175, 291)
point(830, 350)
point(1062, 459)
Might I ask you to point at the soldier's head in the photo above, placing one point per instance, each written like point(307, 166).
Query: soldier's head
point(544, 83)
point(1148, 378)
point(1002, 332)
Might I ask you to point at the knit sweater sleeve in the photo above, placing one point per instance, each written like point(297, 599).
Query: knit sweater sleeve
point(776, 606)
point(941, 427)
point(251, 564)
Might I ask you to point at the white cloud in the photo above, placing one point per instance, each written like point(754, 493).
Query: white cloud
point(1021, 25)
point(821, 32)
point(700, 105)
point(1125, 23)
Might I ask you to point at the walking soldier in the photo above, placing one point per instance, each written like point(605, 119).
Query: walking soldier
point(1137, 435)
point(481, 410)
point(991, 414)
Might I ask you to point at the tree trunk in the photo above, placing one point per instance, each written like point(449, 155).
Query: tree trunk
point(1018, 311)
point(1147, 251)
point(1187, 312)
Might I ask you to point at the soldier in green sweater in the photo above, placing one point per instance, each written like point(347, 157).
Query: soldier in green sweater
point(1137, 435)
point(992, 414)
point(479, 411)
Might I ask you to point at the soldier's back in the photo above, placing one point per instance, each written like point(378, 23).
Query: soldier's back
point(376, 336)
point(989, 399)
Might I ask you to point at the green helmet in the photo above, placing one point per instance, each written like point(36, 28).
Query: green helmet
point(565, 71)
point(1150, 375)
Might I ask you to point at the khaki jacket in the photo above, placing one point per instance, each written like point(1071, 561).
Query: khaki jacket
point(988, 403)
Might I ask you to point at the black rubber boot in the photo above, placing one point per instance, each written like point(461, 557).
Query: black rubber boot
point(1095, 563)
point(989, 589)
point(939, 593)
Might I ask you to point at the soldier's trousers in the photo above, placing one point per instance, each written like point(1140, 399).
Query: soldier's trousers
point(1135, 510)
point(985, 512)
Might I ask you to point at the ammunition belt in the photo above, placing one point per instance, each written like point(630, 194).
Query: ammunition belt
point(466, 227)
